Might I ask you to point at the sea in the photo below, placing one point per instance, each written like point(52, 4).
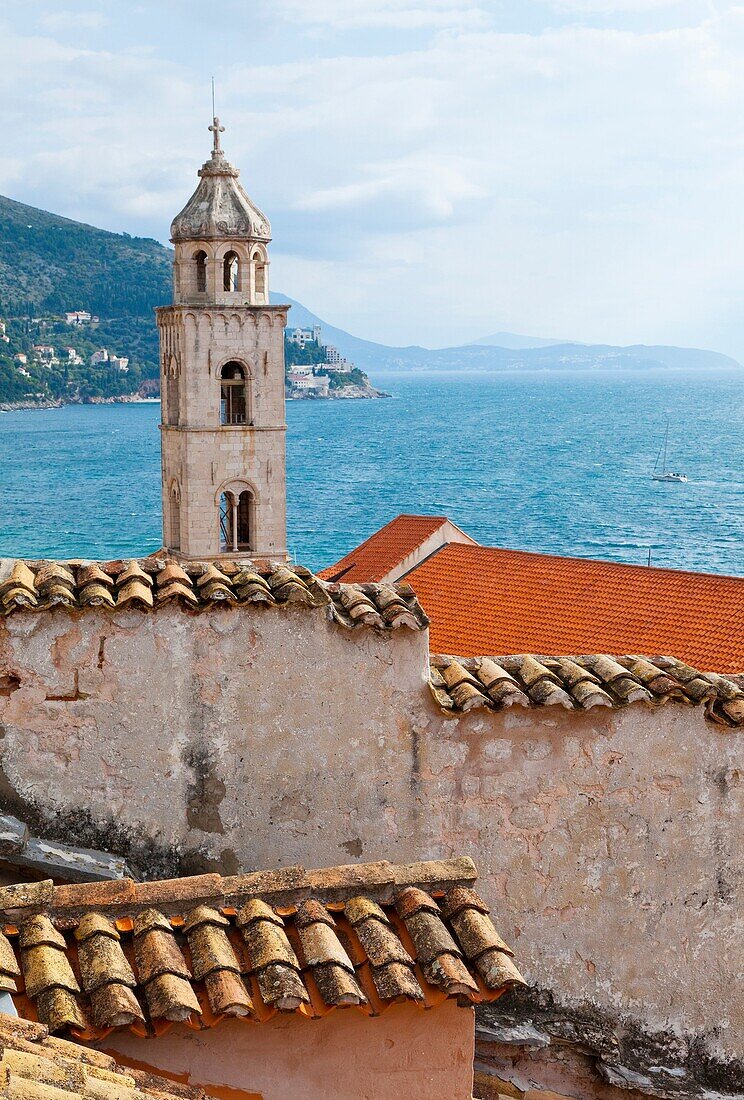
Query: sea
point(555, 461)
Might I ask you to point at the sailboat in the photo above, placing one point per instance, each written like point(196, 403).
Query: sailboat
point(663, 474)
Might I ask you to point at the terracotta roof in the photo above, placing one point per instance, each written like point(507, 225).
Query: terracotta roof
point(37, 1066)
point(461, 684)
point(149, 584)
point(97, 956)
point(385, 549)
point(485, 600)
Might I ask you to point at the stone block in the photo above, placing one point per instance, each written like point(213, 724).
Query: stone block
point(13, 835)
point(31, 896)
point(71, 863)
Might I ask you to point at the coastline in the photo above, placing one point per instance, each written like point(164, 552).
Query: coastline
point(122, 399)
point(130, 399)
point(349, 393)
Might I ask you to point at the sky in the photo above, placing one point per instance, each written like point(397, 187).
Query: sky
point(434, 170)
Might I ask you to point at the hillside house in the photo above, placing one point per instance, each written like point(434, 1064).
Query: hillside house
point(335, 360)
point(307, 382)
point(302, 336)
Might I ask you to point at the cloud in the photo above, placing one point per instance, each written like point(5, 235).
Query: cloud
point(415, 190)
point(582, 179)
point(71, 20)
point(613, 7)
point(385, 14)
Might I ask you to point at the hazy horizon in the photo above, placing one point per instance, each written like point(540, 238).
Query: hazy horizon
point(434, 170)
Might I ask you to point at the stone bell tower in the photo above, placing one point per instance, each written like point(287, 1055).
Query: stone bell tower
point(222, 378)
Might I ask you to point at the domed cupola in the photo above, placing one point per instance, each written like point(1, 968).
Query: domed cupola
point(220, 209)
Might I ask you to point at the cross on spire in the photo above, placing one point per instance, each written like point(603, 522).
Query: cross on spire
point(215, 129)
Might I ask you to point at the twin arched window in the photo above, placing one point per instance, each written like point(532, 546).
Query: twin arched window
point(232, 275)
point(171, 398)
point(236, 520)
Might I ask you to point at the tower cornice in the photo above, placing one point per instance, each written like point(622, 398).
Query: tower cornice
point(217, 307)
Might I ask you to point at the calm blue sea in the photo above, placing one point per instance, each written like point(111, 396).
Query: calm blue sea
point(558, 462)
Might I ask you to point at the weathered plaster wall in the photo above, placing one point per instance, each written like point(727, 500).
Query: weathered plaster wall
point(609, 843)
point(407, 1052)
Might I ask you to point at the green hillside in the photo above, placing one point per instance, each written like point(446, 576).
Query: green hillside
point(50, 264)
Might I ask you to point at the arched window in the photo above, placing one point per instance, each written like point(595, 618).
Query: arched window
point(236, 520)
point(200, 260)
point(260, 282)
point(175, 516)
point(231, 272)
point(233, 394)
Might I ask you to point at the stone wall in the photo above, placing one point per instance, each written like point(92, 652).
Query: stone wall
point(608, 842)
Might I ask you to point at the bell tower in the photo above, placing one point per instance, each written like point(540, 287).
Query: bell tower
point(222, 378)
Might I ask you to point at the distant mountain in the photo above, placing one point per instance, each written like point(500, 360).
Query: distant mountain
point(515, 342)
point(484, 356)
point(49, 264)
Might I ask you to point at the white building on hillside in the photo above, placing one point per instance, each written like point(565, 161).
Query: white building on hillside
point(302, 336)
point(335, 360)
point(317, 384)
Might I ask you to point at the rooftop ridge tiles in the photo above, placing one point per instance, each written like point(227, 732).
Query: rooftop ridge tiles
point(285, 888)
point(615, 681)
point(385, 548)
point(136, 584)
point(94, 974)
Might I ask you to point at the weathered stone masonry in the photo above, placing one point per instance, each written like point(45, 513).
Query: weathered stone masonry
point(608, 842)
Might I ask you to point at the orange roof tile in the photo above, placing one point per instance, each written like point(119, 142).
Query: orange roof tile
point(485, 600)
point(89, 958)
point(35, 1064)
point(381, 552)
